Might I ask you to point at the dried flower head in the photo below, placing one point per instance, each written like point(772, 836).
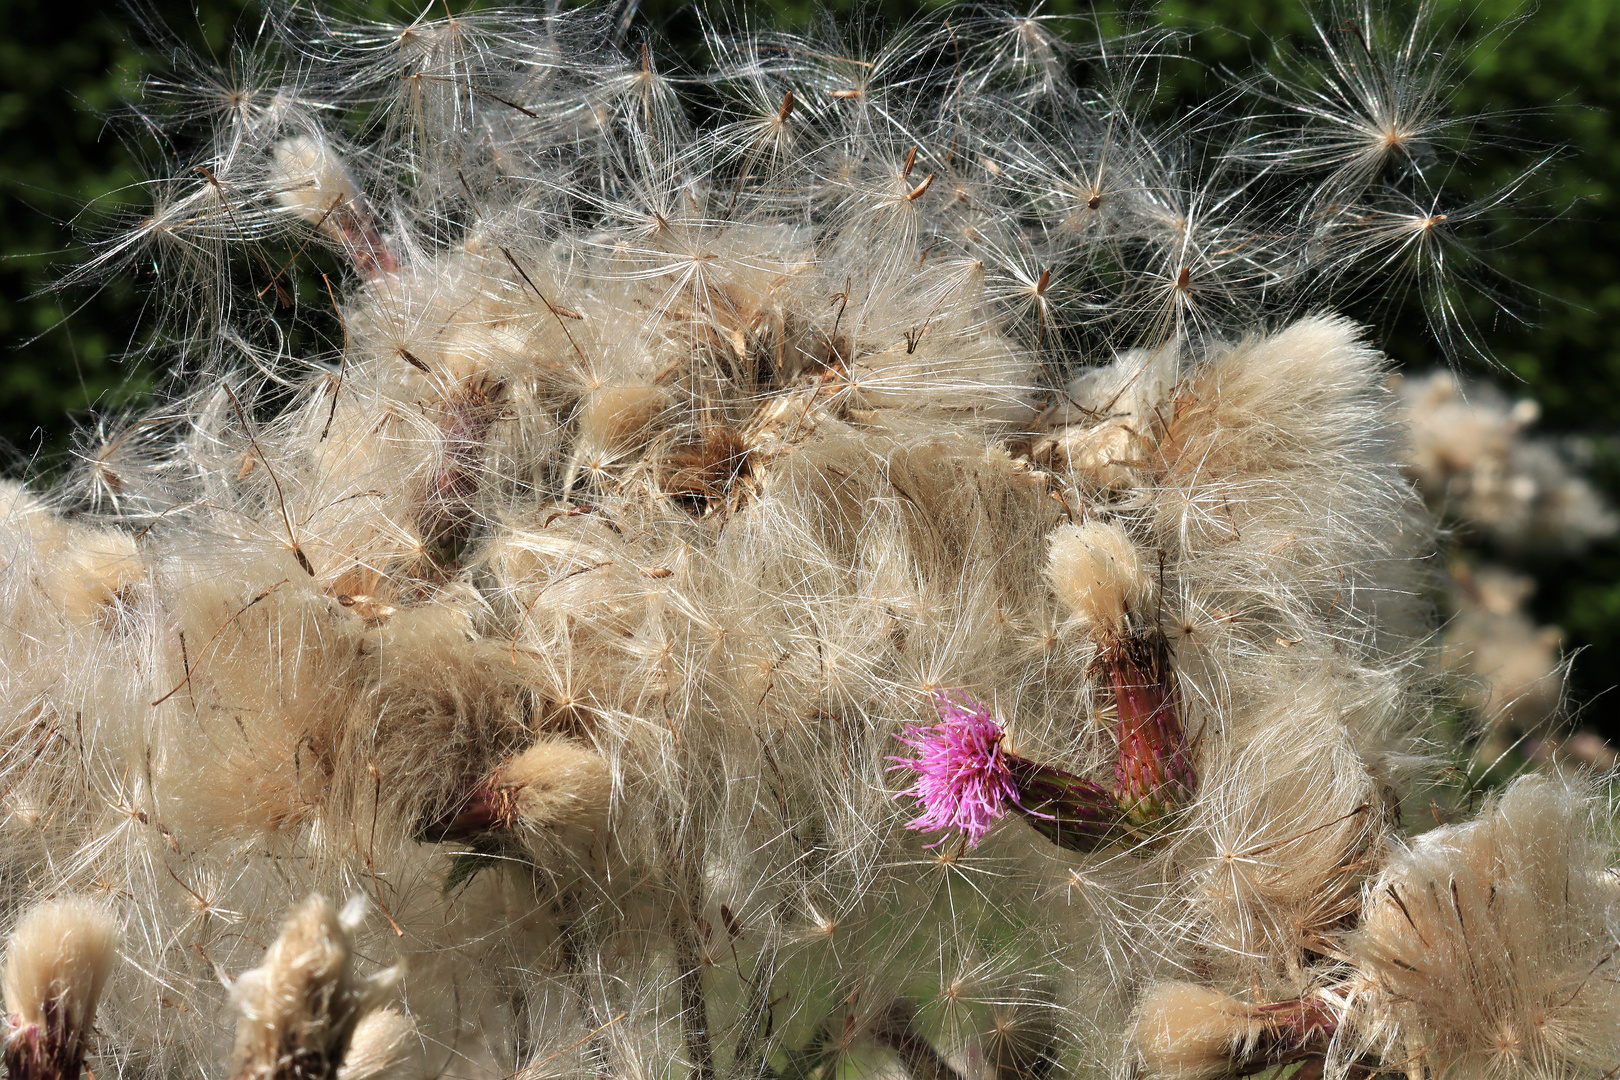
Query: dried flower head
point(1184, 1031)
point(313, 182)
point(57, 961)
point(553, 785)
point(1098, 573)
point(299, 1009)
point(1475, 456)
point(1485, 947)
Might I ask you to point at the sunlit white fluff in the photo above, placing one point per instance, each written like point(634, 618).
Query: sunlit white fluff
point(660, 469)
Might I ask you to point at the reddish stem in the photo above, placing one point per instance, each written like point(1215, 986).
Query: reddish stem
point(1153, 774)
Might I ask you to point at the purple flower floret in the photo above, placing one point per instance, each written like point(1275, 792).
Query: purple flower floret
point(967, 781)
point(964, 780)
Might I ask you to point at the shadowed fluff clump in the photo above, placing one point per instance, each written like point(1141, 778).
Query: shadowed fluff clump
point(659, 475)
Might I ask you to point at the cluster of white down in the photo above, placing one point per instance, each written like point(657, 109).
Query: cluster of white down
point(569, 612)
point(1475, 458)
point(1510, 495)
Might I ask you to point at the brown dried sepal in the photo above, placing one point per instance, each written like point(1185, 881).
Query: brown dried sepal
point(713, 473)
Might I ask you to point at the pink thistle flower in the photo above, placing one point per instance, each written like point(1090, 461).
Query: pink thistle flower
point(964, 779)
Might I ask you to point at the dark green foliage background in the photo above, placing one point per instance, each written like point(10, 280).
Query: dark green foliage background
point(1555, 72)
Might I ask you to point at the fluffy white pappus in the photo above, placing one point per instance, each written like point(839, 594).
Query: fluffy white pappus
point(1485, 948)
point(1513, 673)
point(558, 785)
point(1100, 431)
point(1183, 1031)
point(612, 417)
point(298, 1010)
point(311, 180)
point(667, 470)
point(1101, 458)
point(1187, 1031)
point(1288, 824)
point(87, 574)
point(57, 961)
point(1099, 574)
point(1295, 426)
point(381, 1047)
